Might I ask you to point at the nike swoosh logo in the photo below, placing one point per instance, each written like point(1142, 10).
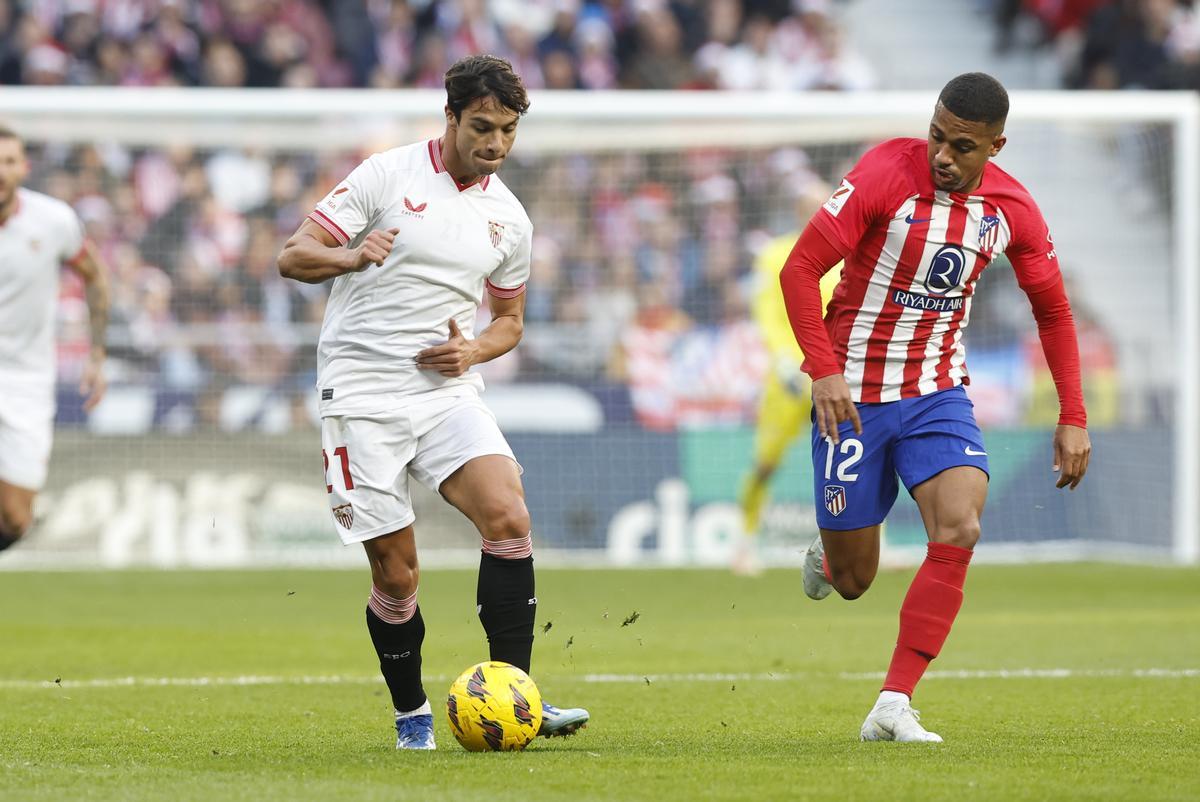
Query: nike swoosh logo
point(970, 452)
point(914, 220)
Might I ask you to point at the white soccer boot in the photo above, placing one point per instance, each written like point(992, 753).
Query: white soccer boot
point(893, 719)
point(816, 586)
point(562, 721)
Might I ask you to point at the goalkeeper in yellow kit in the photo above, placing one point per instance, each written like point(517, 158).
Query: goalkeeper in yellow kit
point(786, 400)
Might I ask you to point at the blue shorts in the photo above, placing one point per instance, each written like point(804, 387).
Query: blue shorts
point(917, 438)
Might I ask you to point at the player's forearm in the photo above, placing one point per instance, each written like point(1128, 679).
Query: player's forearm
point(305, 259)
point(500, 337)
point(800, 281)
point(95, 283)
point(1056, 330)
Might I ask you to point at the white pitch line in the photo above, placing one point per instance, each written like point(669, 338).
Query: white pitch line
point(763, 676)
point(1045, 673)
point(768, 676)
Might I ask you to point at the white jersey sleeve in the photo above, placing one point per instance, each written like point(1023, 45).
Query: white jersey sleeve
point(354, 203)
point(72, 236)
point(508, 280)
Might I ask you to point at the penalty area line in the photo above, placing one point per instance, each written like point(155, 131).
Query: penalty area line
point(763, 676)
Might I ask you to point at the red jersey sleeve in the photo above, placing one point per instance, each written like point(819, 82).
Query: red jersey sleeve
point(1035, 263)
point(876, 186)
point(1031, 250)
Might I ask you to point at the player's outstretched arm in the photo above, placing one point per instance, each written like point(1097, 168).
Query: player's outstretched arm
point(1056, 329)
point(312, 255)
point(92, 270)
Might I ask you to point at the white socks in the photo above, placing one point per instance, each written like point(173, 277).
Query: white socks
point(423, 710)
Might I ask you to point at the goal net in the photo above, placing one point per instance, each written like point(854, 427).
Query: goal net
point(632, 401)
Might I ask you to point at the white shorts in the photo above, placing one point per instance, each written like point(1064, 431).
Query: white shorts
point(26, 432)
point(369, 457)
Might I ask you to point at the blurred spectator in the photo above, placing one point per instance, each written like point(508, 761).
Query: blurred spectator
point(652, 44)
point(1112, 44)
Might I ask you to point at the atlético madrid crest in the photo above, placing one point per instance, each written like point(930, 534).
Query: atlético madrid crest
point(495, 232)
point(344, 515)
point(989, 230)
point(835, 499)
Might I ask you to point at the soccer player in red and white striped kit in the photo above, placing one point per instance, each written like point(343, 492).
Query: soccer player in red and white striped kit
point(916, 222)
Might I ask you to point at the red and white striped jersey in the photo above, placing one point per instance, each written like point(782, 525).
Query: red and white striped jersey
point(913, 256)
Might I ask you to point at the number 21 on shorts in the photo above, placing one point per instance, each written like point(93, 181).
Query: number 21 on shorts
point(851, 450)
point(344, 455)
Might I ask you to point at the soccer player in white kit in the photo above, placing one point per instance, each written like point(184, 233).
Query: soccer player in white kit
point(38, 235)
point(412, 239)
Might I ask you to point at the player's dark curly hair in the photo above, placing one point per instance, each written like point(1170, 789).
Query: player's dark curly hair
point(474, 77)
point(976, 96)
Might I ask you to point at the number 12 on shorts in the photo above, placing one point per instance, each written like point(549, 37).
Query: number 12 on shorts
point(344, 455)
point(852, 449)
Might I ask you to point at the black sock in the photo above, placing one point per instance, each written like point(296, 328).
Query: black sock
point(6, 541)
point(507, 607)
point(399, 650)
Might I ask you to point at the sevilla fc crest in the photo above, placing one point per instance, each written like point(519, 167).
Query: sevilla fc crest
point(835, 499)
point(495, 233)
point(344, 515)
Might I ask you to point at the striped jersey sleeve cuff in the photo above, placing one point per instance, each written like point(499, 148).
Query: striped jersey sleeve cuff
point(505, 292)
point(325, 222)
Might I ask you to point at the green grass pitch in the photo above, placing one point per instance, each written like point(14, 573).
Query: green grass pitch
point(783, 725)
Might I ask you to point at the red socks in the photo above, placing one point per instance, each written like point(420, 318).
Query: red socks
point(927, 614)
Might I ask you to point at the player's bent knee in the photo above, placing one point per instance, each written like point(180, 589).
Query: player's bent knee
point(507, 521)
point(398, 580)
point(964, 535)
point(853, 583)
point(396, 574)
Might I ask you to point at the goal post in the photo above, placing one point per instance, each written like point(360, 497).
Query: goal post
point(632, 400)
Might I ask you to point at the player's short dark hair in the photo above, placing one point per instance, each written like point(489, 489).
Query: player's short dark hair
point(8, 133)
point(976, 96)
point(474, 77)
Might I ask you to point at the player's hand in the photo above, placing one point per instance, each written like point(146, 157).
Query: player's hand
point(832, 404)
point(1072, 450)
point(374, 249)
point(93, 384)
point(452, 359)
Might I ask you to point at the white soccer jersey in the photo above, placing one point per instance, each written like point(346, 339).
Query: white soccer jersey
point(453, 242)
point(40, 236)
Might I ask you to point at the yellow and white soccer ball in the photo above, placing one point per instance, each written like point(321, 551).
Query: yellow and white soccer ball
point(494, 706)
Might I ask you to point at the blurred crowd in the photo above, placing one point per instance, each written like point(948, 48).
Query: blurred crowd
point(653, 259)
point(642, 263)
point(641, 278)
point(1112, 44)
point(556, 44)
